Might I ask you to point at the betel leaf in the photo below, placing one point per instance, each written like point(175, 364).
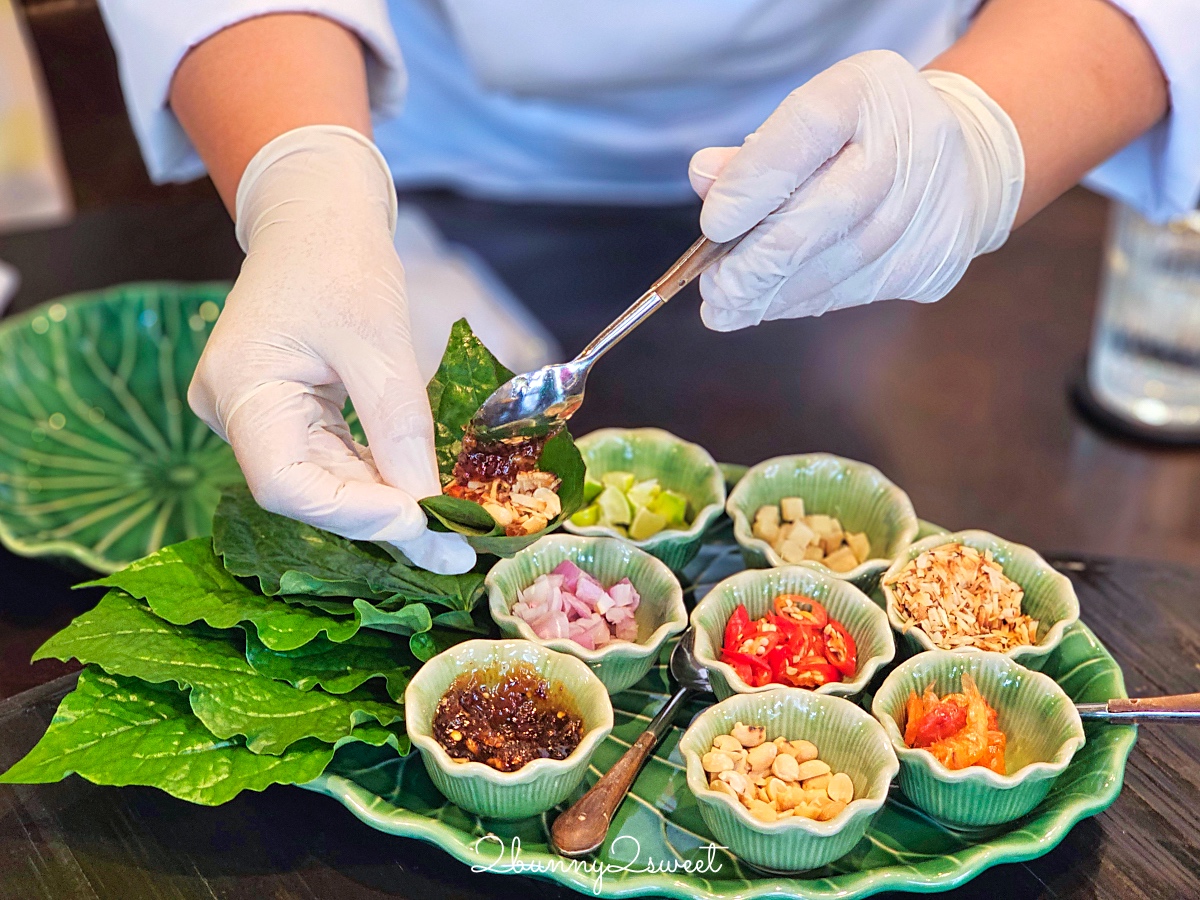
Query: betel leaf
point(185, 583)
point(464, 516)
point(123, 637)
point(121, 731)
point(466, 377)
point(289, 557)
point(336, 668)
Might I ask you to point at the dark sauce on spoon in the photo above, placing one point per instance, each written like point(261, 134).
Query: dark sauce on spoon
point(484, 461)
point(506, 719)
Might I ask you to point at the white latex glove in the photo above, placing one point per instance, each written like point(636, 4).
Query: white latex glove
point(873, 181)
point(319, 311)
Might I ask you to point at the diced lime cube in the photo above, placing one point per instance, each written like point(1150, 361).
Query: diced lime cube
point(591, 489)
point(586, 517)
point(614, 508)
point(672, 507)
point(646, 524)
point(643, 492)
point(622, 481)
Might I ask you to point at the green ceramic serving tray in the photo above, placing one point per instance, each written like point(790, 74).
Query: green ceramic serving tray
point(101, 460)
point(658, 834)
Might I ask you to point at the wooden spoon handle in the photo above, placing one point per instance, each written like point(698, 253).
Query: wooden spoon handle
point(1173, 708)
point(1177, 706)
point(583, 827)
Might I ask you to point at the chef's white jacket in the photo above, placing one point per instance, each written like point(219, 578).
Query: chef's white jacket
point(606, 101)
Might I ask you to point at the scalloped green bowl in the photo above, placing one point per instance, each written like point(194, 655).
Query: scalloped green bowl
point(536, 786)
point(1049, 595)
point(757, 589)
point(846, 738)
point(660, 614)
point(101, 459)
point(858, 495)
point(1041, 724)
point(678, 465)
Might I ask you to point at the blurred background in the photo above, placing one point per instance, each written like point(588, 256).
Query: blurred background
point(964, 403)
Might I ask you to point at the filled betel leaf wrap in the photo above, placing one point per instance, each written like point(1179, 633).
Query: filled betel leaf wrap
point(467, 376)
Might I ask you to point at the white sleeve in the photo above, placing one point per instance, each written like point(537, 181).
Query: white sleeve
point(152, 38)
point(1159, 173)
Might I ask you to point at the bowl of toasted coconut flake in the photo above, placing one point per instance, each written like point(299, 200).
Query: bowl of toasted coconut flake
point(973, 591)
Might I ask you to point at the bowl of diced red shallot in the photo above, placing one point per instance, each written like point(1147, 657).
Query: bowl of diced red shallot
point(598, 599)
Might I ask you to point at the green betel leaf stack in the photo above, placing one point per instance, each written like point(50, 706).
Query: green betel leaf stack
point(220, 665)
point(208, 672)
point(467, 376)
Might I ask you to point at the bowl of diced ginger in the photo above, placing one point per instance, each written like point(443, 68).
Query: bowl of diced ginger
point(835, 515)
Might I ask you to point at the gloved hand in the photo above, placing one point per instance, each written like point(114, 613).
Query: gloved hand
point(873, 181)
point(317, 312)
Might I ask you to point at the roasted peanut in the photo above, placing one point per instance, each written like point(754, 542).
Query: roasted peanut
point(727, 743)
point(840, 788)
point(812, 769)
point(764, 812)
point(740, 783)
point(716, 761)
point(785, 767)
point(775, 779)
point(722, 787)
point(749, 736)
point(820, 783)
point(830, 809)
point(761, 757)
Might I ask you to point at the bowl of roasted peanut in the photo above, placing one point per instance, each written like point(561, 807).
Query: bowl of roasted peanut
point(788, 780)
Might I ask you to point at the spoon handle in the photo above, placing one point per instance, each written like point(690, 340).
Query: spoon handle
point(688, 267)
point(1174, 708)
point(583, 828)
point(698, 257)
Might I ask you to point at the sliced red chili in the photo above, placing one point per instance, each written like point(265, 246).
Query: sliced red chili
point(751, 669)
point(786, 624)
point(804, 610)
point(807, 641)
point(736, 628)
point(779, 659)
point(840, 648)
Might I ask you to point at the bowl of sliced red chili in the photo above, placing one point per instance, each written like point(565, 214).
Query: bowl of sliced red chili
point(790, 626)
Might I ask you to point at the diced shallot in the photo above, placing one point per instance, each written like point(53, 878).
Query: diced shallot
point(570, 603)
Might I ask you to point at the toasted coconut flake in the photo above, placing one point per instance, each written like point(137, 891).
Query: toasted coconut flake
point(961, 597)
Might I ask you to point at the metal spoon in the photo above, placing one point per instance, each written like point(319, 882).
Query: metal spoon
point(582, 828)
point(541, 401)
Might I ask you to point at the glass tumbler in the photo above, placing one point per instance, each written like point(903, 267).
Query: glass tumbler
point(1144, 365)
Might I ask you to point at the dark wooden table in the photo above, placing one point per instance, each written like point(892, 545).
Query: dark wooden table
point(962, 402)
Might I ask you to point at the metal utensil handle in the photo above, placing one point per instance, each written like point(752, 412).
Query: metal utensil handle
point(688, 267)
point(583, 827)
point(1173, 708)
point(698, 257)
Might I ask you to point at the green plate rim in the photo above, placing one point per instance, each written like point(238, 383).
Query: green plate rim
point(1015, 846)
point(65, 548)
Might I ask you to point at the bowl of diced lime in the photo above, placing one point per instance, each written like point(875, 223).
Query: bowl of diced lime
point(651, 488)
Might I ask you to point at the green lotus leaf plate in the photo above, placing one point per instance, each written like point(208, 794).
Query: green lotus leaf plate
point(658, 831)
point(101, 460)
